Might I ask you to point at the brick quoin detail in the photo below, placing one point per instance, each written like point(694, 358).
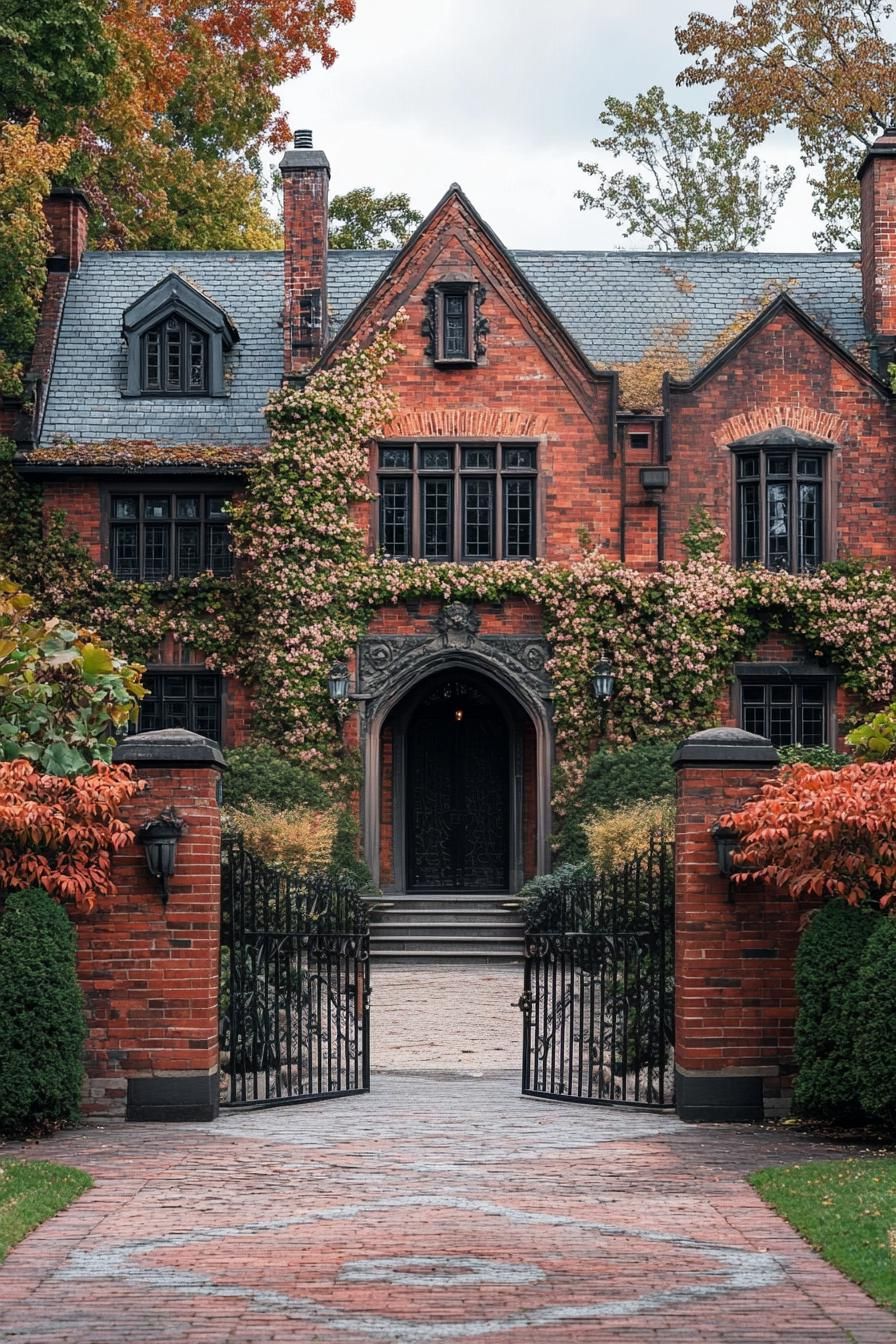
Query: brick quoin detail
point(735, 1002)
point(150, 973)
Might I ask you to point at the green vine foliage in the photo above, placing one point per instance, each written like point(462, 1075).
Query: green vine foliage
point(305, 588)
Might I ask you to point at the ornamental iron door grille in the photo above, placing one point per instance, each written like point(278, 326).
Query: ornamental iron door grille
point(295, 983)
point(598, 994)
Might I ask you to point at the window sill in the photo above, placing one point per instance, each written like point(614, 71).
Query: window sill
point(446, 364)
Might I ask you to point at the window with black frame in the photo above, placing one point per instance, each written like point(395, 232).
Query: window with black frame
point(780, 508)
point(457, 501)
point(787, 712)
point(164, 534)
point(174, 359)
point(182, 698)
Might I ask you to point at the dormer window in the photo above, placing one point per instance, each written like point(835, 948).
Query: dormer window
point(175, 358)
point(177, 338)
point(454, 323)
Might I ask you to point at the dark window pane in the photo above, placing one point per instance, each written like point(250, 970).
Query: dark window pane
point(779, 466)
point(157, 506)
point(219, 558)
point(197, 361)
point(778, 526)
point(173, 355)
point(188, 700)
point(395, 459)
point(206, 719)
point(152, 378)
point(205, 686)
point(748, 465)
point(125, 508)
point(519, 529)
point(176, 714)
point(187, 506)
point(217, 506)
point(478, 519)
point(175, 687)
point(753, 709)
point(780, 716)
point(395, 530)
point(749, 521)
point(810, 526)
point(809, 466)
point(437, 519)
point(479, 458)
point(519, 457)
point(189, 551)
point(125, 560)
point(437, 459)
point(812, 716)
point(156, 551)
point(455, 326)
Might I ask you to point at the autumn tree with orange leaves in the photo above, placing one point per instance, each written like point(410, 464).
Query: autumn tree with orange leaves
point(822, 833)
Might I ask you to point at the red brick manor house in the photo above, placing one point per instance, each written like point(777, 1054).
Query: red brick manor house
point(511, 442)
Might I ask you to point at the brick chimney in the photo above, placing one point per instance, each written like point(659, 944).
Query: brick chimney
point(67, 211)
point(877, 178)
point(306, 184)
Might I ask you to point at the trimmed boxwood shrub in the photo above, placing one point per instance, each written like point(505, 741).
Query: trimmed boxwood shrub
point(260, 774)
point(875, 1050)
point(613, 778)
point(828, 986)
point(41, 1016)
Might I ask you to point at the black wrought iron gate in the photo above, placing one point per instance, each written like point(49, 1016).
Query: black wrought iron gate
point(295, 984)
point(599, 986)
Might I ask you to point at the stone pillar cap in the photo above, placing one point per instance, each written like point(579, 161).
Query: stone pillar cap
point(725, 748)
point(169, 746)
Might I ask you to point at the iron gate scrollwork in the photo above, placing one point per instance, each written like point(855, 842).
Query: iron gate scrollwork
point(598, 995)
point(295, 983)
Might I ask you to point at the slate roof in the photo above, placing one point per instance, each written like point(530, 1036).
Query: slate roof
point(613, 304)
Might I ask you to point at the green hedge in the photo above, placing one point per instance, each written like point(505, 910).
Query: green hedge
point(613, 778)
point(42, 1027)
point(828, 988)
point(874, 1040)
point(260, 774)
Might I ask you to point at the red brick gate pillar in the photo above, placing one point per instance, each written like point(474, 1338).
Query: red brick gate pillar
point(149, 971)
point(735, 1004)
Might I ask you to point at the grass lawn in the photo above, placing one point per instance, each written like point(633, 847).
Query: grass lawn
point(31, 1192)
point(846, 1210)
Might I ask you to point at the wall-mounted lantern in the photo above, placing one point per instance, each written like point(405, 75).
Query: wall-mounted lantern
point(654, 482)
point(728, 841)
point(603, 681)
point(337, 682)
point(159, 840)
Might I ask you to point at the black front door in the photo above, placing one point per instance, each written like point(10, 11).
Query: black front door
point(458, 769)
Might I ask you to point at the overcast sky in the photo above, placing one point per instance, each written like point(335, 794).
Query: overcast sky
point(501, 96)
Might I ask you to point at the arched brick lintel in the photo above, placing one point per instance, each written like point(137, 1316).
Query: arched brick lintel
point(465, 423)
point(823, 424)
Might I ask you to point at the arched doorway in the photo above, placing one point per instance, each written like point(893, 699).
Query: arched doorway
point(458, 785)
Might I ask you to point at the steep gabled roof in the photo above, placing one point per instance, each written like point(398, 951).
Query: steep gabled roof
point(783, 303)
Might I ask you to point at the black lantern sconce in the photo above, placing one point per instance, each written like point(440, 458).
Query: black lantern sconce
point(728, 841)
point(654, 482)
point(603, 682)
point(159, 840)
point(337, 682)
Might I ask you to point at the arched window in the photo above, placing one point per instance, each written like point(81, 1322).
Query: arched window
point(175, 358)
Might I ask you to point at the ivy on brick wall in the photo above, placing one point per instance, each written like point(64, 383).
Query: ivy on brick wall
point(306, 587)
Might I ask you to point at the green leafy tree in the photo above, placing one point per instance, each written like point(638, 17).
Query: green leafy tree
point(825, 69)
point(695, 187)
point(361, 219)
point(54, 60)
point(63, 694)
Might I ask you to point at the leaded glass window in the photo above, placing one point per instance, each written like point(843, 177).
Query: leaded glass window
point(458, 501)
point(779, 508)
point(788, 713)
point(182, 699)
point(175, 359)
point(168, 535)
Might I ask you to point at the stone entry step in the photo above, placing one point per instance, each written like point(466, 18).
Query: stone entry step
point(450, 927)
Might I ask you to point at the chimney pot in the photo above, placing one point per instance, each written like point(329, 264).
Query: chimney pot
point(303, 140)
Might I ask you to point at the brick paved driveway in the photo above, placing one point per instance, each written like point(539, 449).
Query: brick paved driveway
point(437, 1208)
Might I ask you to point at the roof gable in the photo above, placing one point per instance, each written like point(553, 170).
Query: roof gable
point(455, 218)
point(175, 294)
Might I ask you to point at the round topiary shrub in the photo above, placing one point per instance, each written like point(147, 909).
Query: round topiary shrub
point(874, 1046)
point(828, 989)
point(41, 1016)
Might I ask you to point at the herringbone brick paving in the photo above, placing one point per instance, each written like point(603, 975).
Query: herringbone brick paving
point(439, 1207)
